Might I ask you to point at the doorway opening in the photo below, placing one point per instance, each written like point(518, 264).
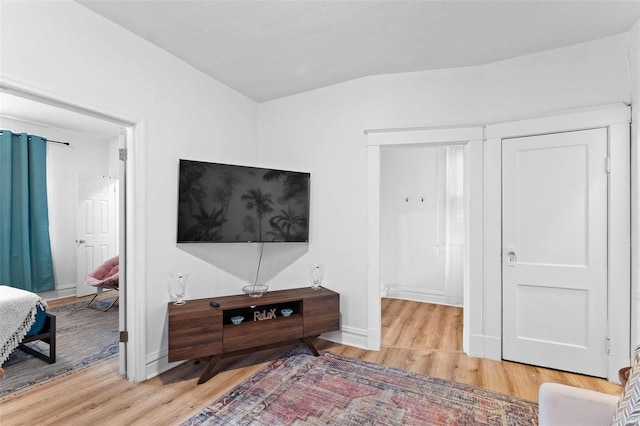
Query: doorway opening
point(92, 135)
point(422, 241)
point(422, 223)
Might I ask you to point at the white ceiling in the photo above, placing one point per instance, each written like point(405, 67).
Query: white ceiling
point(270, 49)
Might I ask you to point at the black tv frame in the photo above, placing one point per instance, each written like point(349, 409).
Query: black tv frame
point(224, 203)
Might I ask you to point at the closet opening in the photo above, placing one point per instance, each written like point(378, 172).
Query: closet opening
point(422, 223)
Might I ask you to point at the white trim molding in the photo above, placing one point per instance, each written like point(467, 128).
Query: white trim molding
point(374, 287)
point(418, 295)
point(68, 290)
point(351, 336)
point(438, 135)
point(580, 119)
point(24, 89)
point(136, 294)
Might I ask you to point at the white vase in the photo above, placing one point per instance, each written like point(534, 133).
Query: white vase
point(317, 272)
point(176, 285)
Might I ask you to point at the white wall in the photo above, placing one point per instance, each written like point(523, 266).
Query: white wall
point(69, 52)
point(584, 75)
point(88, 154)
point(322, 130)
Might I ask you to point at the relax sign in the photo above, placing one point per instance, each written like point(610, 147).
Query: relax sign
point(264, 315)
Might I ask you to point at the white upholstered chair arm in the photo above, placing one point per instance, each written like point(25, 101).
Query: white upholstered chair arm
point(561, 405)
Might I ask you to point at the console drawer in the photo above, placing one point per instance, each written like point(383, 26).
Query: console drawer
point(195, 331)
point(321, 314)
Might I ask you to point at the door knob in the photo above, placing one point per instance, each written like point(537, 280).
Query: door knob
point(511, 259)
point(80, 241)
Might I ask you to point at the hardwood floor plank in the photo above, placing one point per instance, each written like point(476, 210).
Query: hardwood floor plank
point(417, 337)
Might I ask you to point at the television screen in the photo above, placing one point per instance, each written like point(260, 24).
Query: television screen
point(222, 203)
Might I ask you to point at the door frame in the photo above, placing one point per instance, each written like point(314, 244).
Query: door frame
point(132, 361)
point(482, 329)
point(616, 119)
point(471, 138)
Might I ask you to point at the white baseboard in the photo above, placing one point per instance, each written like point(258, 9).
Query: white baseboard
point(59, 293)
point(485, 347)
point(616, 362)
point(158, 362)
point(349, 336)
point(422, 296)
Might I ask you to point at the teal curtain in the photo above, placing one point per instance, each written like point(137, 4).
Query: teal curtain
point(25, 247)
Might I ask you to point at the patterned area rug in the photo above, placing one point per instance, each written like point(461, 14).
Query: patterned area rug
point(300, 389)
point(84, 337)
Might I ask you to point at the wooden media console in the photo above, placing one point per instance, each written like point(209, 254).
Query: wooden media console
point(199, 330)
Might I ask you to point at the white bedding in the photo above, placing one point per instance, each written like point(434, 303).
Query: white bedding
point(17, 314)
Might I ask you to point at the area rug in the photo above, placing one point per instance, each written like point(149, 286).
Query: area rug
point(85, 336)
point(300, 389)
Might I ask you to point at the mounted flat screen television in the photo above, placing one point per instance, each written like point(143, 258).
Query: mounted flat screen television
point(224, 203)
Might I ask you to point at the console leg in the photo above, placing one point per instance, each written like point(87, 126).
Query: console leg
point(207, 373)
point(307, 341)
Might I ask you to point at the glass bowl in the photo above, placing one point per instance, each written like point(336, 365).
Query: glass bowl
point(257, 290)
point(237, 320)
point(286, 312)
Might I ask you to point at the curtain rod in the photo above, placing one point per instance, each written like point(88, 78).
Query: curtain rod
point(49, 140)
point(62, 143)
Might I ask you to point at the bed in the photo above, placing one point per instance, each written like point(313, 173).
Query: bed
point(24, 319)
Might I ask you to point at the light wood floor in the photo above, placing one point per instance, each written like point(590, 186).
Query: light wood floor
point(418, 337)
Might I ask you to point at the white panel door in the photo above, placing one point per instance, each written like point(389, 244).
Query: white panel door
point(555, 251)
point(96, 227)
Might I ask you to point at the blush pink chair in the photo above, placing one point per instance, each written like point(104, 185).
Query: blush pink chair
point(105, 277)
